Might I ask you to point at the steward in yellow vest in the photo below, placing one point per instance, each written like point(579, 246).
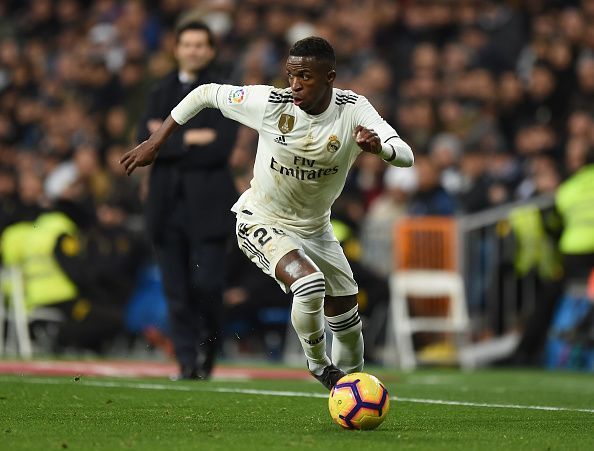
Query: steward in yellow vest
point(30, 246)
point(575, 203)
point(45, 281)
point(575, 206)
point(535, 248)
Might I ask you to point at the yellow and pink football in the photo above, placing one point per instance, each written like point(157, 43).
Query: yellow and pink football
point(359, 401)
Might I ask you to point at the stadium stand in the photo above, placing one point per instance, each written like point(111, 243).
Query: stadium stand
point(495, 97)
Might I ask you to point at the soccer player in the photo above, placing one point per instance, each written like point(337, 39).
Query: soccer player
point(309, 136)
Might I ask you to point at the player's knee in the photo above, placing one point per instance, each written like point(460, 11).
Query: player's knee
point(294, 266)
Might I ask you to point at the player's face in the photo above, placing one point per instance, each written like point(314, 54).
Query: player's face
point(311, 83)
point(193, 51)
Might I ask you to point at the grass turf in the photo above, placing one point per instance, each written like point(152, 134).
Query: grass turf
point(110, 414)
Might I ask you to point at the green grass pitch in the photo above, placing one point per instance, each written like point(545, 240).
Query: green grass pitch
point(433, 410)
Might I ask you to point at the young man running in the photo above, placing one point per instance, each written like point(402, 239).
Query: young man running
point(309, 136)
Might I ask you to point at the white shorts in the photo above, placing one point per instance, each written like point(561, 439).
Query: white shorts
point(265, 244)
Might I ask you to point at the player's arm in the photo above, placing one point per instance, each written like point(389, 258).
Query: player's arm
point(374, 135)
point(146, 152)
point(244, 104)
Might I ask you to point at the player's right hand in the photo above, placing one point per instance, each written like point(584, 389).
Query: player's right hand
point(142, 155)
point(367, 139)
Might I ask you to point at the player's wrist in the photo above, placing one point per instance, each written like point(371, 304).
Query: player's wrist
point(387, 152)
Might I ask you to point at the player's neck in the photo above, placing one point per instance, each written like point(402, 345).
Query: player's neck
point(323, 105)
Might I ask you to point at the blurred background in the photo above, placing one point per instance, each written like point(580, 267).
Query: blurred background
point(496, 98)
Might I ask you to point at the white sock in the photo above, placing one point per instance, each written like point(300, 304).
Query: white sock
point(307, 317)
point(347, 342)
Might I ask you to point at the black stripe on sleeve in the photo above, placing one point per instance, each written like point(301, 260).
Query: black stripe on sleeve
point(393, 156)
point(217, 96)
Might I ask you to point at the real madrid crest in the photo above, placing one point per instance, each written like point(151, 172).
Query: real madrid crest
point(333, 144)
point(286, 123)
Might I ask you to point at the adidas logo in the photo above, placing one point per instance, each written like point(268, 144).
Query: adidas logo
point(280, 140)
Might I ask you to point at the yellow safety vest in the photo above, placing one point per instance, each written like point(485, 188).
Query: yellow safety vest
point(11, 242)
point(11, 246)
point(575, 203)
point(534, 248)
point(31, 246)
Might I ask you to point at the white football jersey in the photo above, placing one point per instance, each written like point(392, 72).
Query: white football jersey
point(302, 160)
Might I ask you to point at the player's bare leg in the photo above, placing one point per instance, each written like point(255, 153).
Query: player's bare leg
point(307, 283)
point(347, 345)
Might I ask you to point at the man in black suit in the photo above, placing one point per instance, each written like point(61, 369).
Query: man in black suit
point(187, 209)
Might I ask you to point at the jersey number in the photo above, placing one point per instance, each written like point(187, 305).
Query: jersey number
point(262, 234)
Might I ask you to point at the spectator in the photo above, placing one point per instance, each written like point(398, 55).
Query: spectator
point(475, 191)
point(577, 239)
point(430, 199)
point(8, 198)
point(584, 97)
point(386, 210)
point(445, 152)
point(104, 268)
point(576, 152)
point(577, 250)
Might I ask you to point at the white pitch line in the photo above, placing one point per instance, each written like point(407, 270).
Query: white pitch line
point(496, 406)
point(247, 391)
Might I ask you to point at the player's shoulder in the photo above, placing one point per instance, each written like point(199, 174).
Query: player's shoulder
point(346, 97)
point(236, 95)
point(280, 96)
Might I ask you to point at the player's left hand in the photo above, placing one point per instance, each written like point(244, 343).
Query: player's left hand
point(367, 139)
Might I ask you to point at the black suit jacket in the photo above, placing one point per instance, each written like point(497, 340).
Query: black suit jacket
point(197, 174)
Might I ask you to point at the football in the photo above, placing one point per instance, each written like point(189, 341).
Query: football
point(359, 401)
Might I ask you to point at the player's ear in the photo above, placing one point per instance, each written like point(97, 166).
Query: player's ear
point(331, 76)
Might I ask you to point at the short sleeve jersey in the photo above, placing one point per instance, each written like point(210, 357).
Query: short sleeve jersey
point(302, 160)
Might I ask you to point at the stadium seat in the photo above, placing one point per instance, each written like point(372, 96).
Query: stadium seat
point(14, 315)
point(426, 290)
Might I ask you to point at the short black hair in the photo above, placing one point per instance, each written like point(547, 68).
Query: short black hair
point(197, 26)
point(314, 47)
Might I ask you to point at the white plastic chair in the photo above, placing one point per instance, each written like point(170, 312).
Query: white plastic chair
point(425, 262)
point(425, 284)
point(14, 314)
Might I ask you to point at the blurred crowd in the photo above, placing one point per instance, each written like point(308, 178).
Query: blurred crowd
point(496, 98)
